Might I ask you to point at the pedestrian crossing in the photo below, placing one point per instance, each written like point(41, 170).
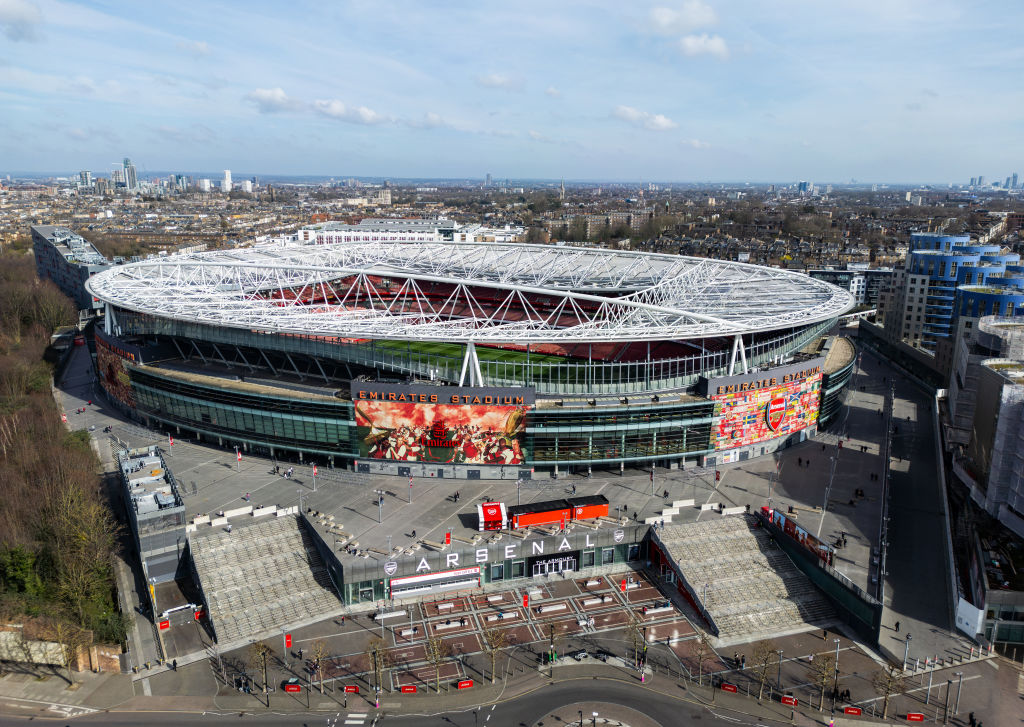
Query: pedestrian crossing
point(355, 718)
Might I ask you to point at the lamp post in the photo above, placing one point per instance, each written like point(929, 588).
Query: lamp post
point(380, 506)
point(906, 651)
point(519, 483)
point(959, 686)
point(835, 684)
point(779, 684)
point(581, 717)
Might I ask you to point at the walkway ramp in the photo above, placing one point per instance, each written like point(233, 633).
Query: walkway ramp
point(261, 577)
point(749, 587)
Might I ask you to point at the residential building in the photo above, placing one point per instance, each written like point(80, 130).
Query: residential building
point(68, 260)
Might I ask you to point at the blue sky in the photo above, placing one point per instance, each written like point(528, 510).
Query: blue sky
point(697, 90)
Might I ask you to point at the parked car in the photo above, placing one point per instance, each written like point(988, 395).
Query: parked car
point(603, 655)
point(580, 655)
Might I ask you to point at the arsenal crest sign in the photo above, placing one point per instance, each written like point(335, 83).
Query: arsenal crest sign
point(775, 413)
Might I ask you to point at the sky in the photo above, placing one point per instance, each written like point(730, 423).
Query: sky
point(910, 91)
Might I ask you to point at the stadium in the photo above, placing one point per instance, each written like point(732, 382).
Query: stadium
point(494, 360)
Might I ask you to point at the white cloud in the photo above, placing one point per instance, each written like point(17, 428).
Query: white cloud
point(654, 122)
point(195, 47)
point(336, 109)
point(19, 19)
point(696, 144)
point(553, 92)
point(430, 120)
point(691, 15)
point(499, 80)
point(704, 44)
point(271, 100)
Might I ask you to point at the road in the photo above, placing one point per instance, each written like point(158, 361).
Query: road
point(564, 700)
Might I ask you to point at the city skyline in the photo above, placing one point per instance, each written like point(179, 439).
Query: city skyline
point(686, 91)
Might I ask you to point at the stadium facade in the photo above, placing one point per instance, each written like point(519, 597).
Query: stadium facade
point(497, 360)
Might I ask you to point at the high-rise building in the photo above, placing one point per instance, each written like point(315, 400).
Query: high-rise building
point(981, 180)
point(85, 177)
point(205, 185)
point(487, 182)
point(561, 190)
point(247, 186)
point(131, 177)
point(947, 284)
point(1013, 181)
point(225, 186)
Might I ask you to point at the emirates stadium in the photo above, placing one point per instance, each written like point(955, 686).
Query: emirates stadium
point(489, 360)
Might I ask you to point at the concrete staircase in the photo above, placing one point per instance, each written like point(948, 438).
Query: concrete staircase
point(261, 577)
point(753, 589)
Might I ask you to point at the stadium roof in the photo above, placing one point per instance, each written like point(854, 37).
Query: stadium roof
point(489, 293)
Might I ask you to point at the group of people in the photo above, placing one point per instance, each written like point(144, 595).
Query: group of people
point(287, 473)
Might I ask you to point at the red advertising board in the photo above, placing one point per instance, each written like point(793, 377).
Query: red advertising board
point(526, 600)
point(293, 687)
point(448, 538)
point(165, 625)
point(465, 684)
point(408, 689)
point(726, 687)
point(351, 689)
point(623, 585)
point(788, 700)
point(287, 641)
point(915, 717)
point(852, 710)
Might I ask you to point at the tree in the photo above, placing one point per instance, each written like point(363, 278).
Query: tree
point(380, 658)
point(258, 655)
point(887, 682)
point(494, 639)
point(70, 638)
point(823, 670)
point(701, 649)
point(318, 654)
point(437, 652)
point(764, 652)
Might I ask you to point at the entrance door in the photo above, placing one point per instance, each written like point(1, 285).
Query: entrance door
point(540, 569)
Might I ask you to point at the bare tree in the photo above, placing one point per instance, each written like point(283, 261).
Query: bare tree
point(823, 670)
point(70, 639)
point(701, 649)
point(380, 658)
point(258, 655)
point(437, 652)
point(763, 653)
point(887, 682)
point(318, 655)
point(494, 639)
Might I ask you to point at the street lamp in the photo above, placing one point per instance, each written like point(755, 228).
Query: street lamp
point(959, 686)
point(779, 685)
point(519, 483)
point(380, 506)
point(835, 684)
point(906, 651)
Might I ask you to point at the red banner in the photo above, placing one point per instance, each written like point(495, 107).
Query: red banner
point(287, 641)
point(791, 701)
point(623, 585)
point(465, 684)
point(915, 717)
point(408, 688)
point(728, 687)
point(293, 687)
point(852, 710)
point(351, 689)
point(526, 600)
point(448, 538)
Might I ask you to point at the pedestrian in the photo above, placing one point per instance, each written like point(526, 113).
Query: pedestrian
point(743, 661)
point(897, 627)
point(229, 527)
point(799, 461)
point(970, 719)
point(414, 533)
point(809, 459)
point(810, 659)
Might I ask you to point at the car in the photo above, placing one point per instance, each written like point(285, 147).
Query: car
point(580, 655)
point(603, 655)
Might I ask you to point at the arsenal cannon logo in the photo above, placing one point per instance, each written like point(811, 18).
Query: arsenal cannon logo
point(775, 412)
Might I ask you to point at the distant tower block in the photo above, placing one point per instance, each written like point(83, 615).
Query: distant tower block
point(226, 184)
